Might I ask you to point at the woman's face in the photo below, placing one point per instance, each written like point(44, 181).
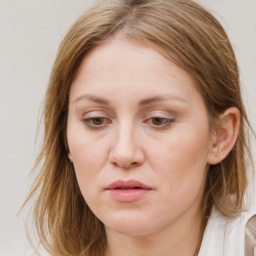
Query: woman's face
point(138, 134)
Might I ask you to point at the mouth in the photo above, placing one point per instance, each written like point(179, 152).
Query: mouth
point(127, 191)
point(127, 185)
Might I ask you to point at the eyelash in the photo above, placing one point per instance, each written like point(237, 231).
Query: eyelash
point(90, 122)
point(164, 122)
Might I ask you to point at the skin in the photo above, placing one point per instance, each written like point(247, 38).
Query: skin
point(133, 114)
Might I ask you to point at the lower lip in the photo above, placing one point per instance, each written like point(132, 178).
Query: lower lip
point(128, 195)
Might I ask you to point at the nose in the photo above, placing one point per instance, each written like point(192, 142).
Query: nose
point(126, 151)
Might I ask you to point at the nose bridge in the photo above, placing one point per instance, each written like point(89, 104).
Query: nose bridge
point(124, 143)
point(126, 150)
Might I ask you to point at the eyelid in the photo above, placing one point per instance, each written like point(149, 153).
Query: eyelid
point(94, 113)
point(89, 122)
point(167, 119)
point(161, 113)
point(91, 116)
point(167, 122)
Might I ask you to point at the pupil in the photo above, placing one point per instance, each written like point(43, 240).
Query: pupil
point(98, 121)
point(158, 120)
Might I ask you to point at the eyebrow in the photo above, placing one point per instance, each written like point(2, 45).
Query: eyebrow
point(161, 98)
point(143, 102)
point(93, 99)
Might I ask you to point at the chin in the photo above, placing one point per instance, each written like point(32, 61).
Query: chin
point(131, 230)
point(133, 225)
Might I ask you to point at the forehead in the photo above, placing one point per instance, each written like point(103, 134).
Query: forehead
point(122, 64)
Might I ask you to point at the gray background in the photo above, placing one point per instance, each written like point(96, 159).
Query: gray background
point(30, 32)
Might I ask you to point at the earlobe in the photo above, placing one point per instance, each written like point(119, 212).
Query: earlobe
point(225, 136)
point(70, 158)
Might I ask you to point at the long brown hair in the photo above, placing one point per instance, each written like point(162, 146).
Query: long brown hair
point(189, 36)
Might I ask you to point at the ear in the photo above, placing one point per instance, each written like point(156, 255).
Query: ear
point(225, 135)
point(70, 157)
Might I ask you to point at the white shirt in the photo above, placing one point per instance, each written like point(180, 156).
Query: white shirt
point(226, 237)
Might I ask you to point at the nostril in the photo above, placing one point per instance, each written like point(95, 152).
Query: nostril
point(127, 166)
point(127, 159)
point(115, 164)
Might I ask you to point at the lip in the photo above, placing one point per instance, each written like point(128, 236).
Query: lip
point(127, 191)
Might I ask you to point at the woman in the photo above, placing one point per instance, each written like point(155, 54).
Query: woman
point(146, 136)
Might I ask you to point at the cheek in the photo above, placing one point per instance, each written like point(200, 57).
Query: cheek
point(88, 155)
point(181, 171)
point(182, 159)
point(84, 147)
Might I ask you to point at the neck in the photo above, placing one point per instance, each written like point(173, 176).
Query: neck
point(181, 239)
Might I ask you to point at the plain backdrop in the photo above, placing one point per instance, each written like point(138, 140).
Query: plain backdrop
point(30, 32)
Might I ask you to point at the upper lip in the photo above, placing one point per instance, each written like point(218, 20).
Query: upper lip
point(121, 184)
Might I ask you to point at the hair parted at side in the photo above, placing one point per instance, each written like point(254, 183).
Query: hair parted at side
point(189, 36)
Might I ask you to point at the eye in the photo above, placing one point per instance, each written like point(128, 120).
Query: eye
point(159, 122)
point(96, 122)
